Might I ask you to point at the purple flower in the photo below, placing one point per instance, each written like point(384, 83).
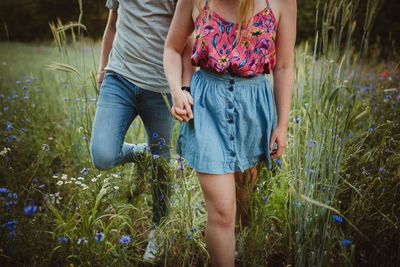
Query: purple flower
point(12, 195)
point(14, 138)
point(181, 167)
point(35, 180)
point(265, 199)
point(337, 218)
point(296, 119)
point(311, 171)
point(41, 186)
point(125, 239)
point(18, 82)
point(162, 142)
point(371, 130)
point(381, 170)
point(24, 87)
point(9, 203)
point(7, 140)
point(30, 210)
point(62, 239)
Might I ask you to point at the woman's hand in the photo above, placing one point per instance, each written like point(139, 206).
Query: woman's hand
point(278, 136)
point(182, 106)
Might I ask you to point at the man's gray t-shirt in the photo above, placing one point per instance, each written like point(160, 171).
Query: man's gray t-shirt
point(137, 51)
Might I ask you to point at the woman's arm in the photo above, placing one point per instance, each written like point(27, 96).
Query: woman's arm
point(187, 69)
point(180, 30)
point(283, 73)
point(108, 39)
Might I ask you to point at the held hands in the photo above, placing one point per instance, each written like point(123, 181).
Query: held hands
point(182, 106)
point(278, 136)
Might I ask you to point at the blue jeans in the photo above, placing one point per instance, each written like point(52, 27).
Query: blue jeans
point(120, 102)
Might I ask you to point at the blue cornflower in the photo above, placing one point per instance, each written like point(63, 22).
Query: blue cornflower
point(345, 242)
point(9, 203)
point(45, 147)
point(193, 230)
point(11, 225)
point(14, 138)
point(381, 170)
point(28, 81)
point(388, 97)
point(162, 142)
point(311, 171)
point(155, 135)
point(398, 97)
point(18, 82)
point(265, 199)
point(189, 237)
point(12, 195)
point(125, 239)
point(4, 190)
point(371, 130)
point(7, 140)
point(310, 142)
point(181, 167)
point(156, 155)
point(30, 210)
point(278, 162)
point(9, 126)
point(394, 104)
point(5, 109)
point(24, 87)
point(62, 239)
point(85, 171)
point(35, 180)
point(337, 218)
point(99, 236)
point(41, 186)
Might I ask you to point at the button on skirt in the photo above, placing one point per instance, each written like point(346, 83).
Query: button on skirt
point(233, 118)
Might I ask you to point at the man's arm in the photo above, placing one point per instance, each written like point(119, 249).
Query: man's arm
point(108, 38)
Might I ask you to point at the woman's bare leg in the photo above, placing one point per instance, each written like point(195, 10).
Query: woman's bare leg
point(219, 196)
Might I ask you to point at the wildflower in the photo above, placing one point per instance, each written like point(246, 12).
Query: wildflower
point(337, 218)
point(388, 97)
point(116, 187)
point(7, 140)
point(265, 199)
point(24, 87)
point(64, 177)
point(30, 210)
point(381, 170)
point(9, 203)
point(35, 180)
point(60, 183)
point(62, 239)
point(278, 162)
point(9, 127)
point(311, 171)
point(82, 240)
point(12, 195)
point(4, 190)
point(11, 225)
point(5, 151)
point(297, 204)
point(28, 81)
point(296, 119)
point(345, 242)
point(189, 237)
point(85, 171)
point(125, 239)
point(173, 238)
point(45, 147)
point(156, 156)
point(99, 236)
point(180, 167)
point(42, 185)
point(18, 82)
point(384, 74)
point(94, 180)
point(80, 178)
point(194, 230)
point(162, 142)
point(155, 135)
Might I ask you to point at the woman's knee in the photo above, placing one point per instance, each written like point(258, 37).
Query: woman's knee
point(223, 213)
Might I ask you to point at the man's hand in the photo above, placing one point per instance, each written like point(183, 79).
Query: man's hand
point(182, 106)
point(100, 77)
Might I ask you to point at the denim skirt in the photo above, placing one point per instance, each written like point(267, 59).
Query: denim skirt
point(233, 118)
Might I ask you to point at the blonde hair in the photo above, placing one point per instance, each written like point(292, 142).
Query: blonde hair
point(246, 10)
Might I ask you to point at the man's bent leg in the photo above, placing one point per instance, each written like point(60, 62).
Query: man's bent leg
point(115, 112)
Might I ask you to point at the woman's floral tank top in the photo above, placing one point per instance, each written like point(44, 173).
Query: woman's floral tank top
point(217, 48)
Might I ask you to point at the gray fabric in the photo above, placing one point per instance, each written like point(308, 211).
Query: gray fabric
point(137, 52)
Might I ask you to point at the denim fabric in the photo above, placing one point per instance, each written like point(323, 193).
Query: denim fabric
point(120, 102)
point(233, 119)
